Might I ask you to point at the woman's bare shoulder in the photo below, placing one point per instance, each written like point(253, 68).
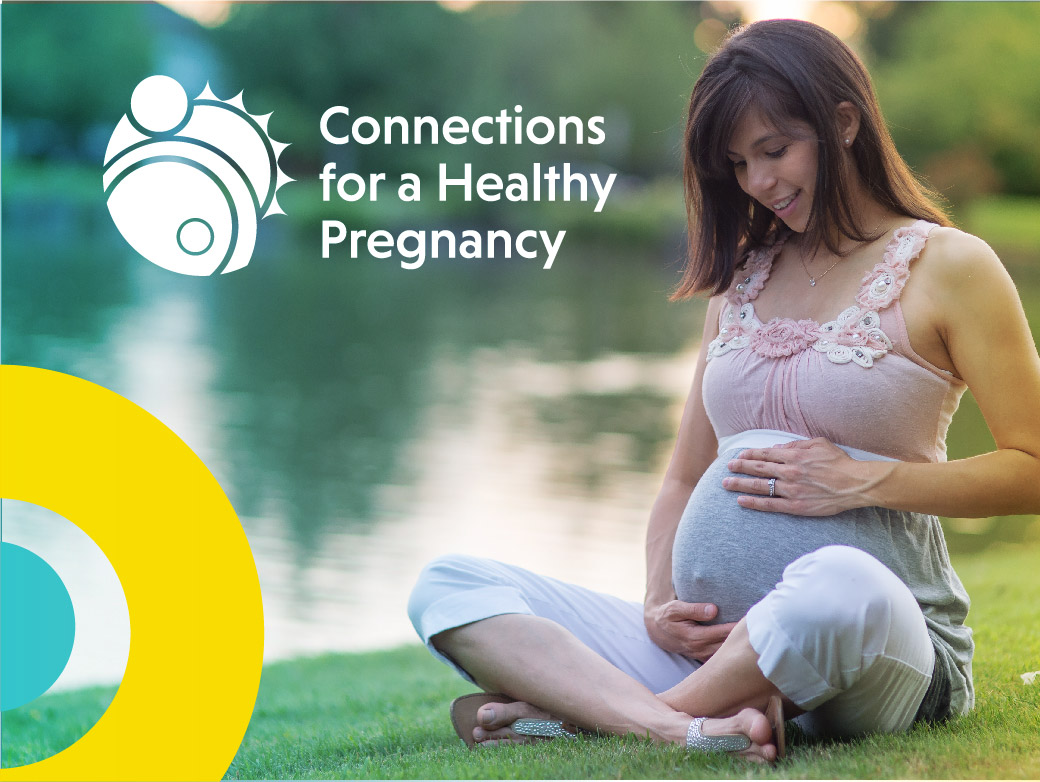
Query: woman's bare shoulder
point(956, 264)
point(957, 254)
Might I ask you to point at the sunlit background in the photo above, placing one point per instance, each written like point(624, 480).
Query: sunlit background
point(363, 418)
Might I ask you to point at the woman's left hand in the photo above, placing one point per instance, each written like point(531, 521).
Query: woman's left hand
point(813, 478)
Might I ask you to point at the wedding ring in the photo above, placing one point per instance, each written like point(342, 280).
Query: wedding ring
point(772, 487)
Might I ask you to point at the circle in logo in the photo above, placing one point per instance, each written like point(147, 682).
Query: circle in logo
point(187, 181)
point(195, 236)
point(159, 104)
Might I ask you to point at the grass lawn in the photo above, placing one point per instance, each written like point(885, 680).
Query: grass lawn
point(384, 715)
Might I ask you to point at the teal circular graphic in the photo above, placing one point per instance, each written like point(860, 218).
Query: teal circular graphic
point(195, 236)
point(37, 626)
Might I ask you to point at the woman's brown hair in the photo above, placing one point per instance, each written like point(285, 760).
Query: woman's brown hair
point(791, 71)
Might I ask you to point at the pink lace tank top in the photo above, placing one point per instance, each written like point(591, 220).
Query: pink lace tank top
point(854, 380)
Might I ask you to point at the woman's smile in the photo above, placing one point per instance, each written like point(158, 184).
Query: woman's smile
point(787, 206)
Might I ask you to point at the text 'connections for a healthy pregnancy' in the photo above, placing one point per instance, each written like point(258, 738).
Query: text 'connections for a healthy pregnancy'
point(542, 182)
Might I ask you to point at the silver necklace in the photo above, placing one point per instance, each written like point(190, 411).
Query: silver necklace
point(812, 279)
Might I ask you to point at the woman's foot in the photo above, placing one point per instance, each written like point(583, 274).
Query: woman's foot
point(495, 721)
point(751, 723)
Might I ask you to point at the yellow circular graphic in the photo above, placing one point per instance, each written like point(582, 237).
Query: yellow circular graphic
point(173, 539)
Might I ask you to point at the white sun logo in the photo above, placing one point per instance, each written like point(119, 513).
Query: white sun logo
point(186, 181)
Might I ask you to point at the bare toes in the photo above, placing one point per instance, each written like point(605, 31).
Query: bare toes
point(501, 742)
point(754, 725)
point(493, 716)
point(494, 722)
point(497, 736)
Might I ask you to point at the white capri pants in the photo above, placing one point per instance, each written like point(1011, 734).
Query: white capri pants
point(841, 636)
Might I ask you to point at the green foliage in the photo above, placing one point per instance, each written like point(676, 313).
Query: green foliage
point(956, 84)
point(73, 63)
point(580, 59)
point(955, 79)
point(1010, 223)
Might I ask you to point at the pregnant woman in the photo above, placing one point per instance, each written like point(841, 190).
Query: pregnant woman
point(795, 563)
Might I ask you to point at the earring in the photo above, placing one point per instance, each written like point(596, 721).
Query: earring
point(848, 141)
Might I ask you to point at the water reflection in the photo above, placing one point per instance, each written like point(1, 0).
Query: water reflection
point(363, 418)
point(480, 478)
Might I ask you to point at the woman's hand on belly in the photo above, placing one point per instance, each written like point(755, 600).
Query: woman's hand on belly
point(676, 626)
point(813, 478)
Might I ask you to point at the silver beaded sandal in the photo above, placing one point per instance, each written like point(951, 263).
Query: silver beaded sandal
point(464, 719)
point(545, 729)
point(738, 742)
point(727, 742)
point(775, 715)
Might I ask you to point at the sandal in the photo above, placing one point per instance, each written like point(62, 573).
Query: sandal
point(738, 742)
point(775, 715)
point(464, 719)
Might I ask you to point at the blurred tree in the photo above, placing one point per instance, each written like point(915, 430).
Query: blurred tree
point(957, 84)
point(955, 79)
point(72, 63)
point(634, 64)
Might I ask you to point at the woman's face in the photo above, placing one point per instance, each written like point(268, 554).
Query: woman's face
point(776, 167)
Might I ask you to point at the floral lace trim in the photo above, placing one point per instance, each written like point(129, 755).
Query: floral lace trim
point(756, 271)
point(883, 284)
point(855, 335)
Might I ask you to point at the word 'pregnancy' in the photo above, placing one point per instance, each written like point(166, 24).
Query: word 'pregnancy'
point(545, 183)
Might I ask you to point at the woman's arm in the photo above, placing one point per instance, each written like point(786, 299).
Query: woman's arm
point(671, 623)
point(981, 330)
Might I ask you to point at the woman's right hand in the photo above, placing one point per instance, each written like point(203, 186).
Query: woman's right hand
point(677, 627)
point(672, 624)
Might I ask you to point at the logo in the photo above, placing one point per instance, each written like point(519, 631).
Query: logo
point(186, 181)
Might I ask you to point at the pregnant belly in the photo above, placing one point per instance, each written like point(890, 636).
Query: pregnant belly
point(732, 556)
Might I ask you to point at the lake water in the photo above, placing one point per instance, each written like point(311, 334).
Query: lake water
point(363, 418)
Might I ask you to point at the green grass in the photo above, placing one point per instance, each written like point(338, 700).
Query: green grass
point(384, 715)
point(47, 725)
